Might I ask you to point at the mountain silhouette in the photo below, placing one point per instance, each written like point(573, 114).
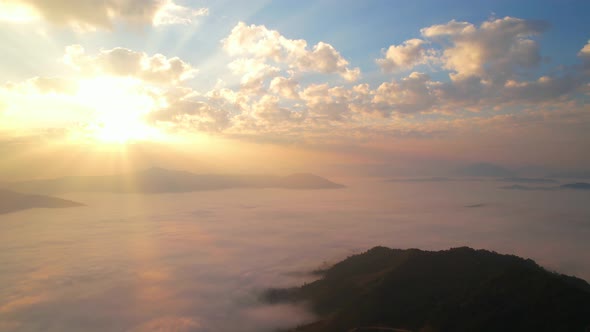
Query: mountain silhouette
point(485, 170)
point(160, 180)
point(579, 174)
point(567, 186)
point(527, 180)
point(11, 201)
point(460, 289)
point(577, 186)
point(428, 179)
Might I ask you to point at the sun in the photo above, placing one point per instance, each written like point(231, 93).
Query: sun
point(117, 132)
point(119, 107)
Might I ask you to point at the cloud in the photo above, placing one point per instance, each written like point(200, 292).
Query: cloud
point(479, 94)
point(40, 102)
point(327, 103)
point(285, 87)
point(268, 109)
point(326, 59)
point(15, 304)
point(584, 54)
point(411, 94)
point(184, 109)
point(405, 56)
point(169, 323)
point(585, 51)
point(260, 42)
point(254, 73)
point(171, 13)
point(45, 85)
point(125, 62)
point(542, 89)
point(251, 240)
point(488, 67)
point(278, 316)
point(494, 50)
point(92, 15)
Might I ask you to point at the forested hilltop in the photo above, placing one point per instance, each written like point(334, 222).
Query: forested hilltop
point(460, 289)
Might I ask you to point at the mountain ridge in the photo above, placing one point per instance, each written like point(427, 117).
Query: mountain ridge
point(580, 186)
point(160, 180)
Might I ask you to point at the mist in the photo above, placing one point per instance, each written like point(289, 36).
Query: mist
point(199, 261)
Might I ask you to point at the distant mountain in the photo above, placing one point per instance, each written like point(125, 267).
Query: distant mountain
point(159, 180)
point(11, 201)
point(527, 180)
point(430, 179)
point(577, 186)
point(302, 181)
point(460, 289)
point(582, 174)
point(478, 205)
point(527, 188)
point(534, 171)
point(485, 169)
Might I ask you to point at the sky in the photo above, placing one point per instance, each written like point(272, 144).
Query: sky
point(281, 86)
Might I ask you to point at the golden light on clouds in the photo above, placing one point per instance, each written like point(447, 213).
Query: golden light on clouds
point(88, 16)
point(256, 85)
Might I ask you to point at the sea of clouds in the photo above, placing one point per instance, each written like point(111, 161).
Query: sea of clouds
point(198, 261)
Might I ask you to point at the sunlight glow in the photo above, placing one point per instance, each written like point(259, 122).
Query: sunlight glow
point(120, 108)
point(17, 13)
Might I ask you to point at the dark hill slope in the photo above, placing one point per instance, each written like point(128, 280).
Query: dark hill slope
point(456, 290)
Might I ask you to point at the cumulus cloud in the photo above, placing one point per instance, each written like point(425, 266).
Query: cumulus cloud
point(184, 109)
point(269, 110)
point(324, 58)
point(585, 51)
point(405, 56)
point(476, 94)
point(542, 89)
point(171, 13)
point(125, 62)
point(411, 94)
point(254, 72)
point(490, 66)
point(90, 15)
point(45, 85)
point(258, 41)
point(326, 102)
point(584, 54)
point(494, 50)
point(285, 87)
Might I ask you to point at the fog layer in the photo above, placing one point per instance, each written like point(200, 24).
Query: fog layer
point(197, 261)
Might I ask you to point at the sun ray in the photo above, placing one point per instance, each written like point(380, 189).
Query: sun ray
point(120, 107)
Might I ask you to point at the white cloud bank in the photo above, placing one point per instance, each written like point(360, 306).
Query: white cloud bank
point(259, 42)
point(495, 50)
